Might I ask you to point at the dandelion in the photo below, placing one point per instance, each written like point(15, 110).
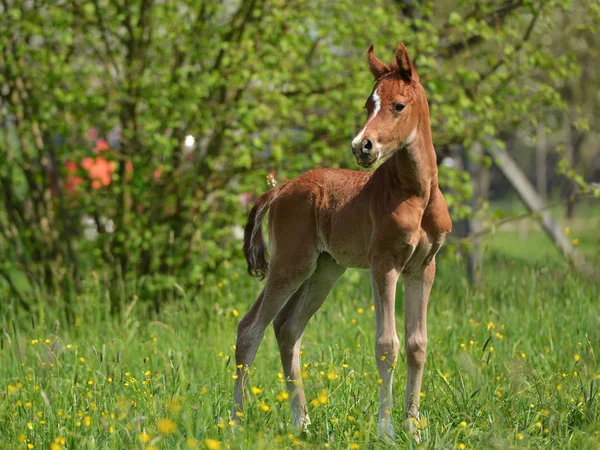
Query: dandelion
point(144, 437)
point(558, 387)
point(567, 231)
point(212, 444)
point(331, 376)
point(235, 313)
point(265, 407)
point(87, 421)
point(462, 446)
point(520, 436)
point(283, 396)
point(491, 325)
point(360, 310)
point(191, 443)
point(523, 355)
point(354, 446)
point(166, 426)
point(576, 357)
point(575, 241)
point(256, 390)
point(463, 424)
point(30, 425)
point(174, 405)
point(323, 399)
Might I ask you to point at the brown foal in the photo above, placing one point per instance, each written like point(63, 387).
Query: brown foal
point(392, 221)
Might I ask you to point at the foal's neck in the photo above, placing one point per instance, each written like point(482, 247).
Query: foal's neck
point(414, 165)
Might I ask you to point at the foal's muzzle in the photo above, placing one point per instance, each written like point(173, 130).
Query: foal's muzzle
point(364, 153)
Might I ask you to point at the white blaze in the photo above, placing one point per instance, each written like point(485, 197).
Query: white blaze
point(359, 137)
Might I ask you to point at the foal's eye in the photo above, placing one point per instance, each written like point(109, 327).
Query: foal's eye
point(398, 107)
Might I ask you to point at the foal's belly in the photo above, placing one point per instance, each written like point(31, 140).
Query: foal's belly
point(349, 258)
point(347, 240)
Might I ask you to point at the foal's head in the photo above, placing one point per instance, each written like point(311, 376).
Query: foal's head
point(393, 109)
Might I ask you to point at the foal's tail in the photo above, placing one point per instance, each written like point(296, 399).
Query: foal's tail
point(255, 249)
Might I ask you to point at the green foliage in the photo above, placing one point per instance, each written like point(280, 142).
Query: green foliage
point(259, 84)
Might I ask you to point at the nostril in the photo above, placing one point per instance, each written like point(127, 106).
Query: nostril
point(367, 145)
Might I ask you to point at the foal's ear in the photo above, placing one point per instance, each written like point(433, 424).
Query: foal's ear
point(378, 69)
point(405, 66)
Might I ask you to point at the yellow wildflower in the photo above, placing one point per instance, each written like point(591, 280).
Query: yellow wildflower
point(166, 426)
point(144, 437)
point(265, 407)
point(323, 397)
point(212, 444)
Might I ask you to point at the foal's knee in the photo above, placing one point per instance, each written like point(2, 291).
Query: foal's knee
point(387, 346)
point(416, 348)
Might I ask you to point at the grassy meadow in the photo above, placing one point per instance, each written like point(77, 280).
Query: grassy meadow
point(511, 364)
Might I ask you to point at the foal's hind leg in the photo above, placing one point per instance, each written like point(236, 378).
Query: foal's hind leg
point(281, 283)
point(290, 324)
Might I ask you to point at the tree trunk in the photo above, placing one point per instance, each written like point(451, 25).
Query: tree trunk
point(534, 203)
point(541, 166)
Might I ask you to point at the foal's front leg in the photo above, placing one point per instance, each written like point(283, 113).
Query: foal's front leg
point(417, 286)
point(384, 277)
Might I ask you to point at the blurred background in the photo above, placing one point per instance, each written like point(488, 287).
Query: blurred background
point(135, 135)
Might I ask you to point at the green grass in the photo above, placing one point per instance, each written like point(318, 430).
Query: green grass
point(510, 364)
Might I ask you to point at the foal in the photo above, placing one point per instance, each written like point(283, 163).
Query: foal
point(392, 221)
